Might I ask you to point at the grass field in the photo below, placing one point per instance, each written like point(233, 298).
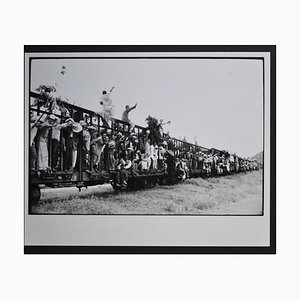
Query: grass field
point(235, 194)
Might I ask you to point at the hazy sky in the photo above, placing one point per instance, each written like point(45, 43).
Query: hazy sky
point(219, 101)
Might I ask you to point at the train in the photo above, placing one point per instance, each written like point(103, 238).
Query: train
point(181, 160)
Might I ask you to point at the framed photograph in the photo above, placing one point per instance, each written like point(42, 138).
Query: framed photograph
point(150, 149)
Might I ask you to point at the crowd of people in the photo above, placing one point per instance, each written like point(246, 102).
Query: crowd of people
point(57, 140)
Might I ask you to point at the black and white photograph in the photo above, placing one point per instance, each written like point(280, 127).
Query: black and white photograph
point(150, 150)
point(164, 134)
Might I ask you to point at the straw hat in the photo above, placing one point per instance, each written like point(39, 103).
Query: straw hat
point(111, 144)
point(53, 117)
point(70, 120)
point(83, 123)
point(76, 127)
point(92, 128)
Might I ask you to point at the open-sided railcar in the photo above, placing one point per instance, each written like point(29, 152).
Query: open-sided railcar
point(84, 175)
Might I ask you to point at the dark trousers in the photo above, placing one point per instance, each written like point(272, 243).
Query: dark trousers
point(32, 157)
point(160, 164)
point(69, 153)
point(85, 163)
point(55, 148)
point(171, 166)
point(121, 176)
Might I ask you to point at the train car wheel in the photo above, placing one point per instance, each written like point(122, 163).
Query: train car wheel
point(116, 187)
point(35, 194)
point(131, 184)
point(153, 182)
point(149, 183)
point(140, 184)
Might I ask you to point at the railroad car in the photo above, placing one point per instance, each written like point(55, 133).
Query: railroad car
point(180, 161)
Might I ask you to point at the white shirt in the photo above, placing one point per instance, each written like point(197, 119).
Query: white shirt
point(147, 147)
point(154, 153)
point(161, 153)
point(107, 103)
point(55, 135)
point(87, 139)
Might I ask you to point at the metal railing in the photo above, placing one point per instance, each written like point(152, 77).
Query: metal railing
point(77, 113)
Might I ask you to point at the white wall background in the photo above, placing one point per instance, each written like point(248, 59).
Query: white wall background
point(149, 277)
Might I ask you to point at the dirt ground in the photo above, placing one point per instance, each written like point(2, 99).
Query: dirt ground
point(236, 194)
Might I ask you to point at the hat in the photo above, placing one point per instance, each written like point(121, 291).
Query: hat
point(156, 147)
point(119, 134)
point(147, 131)
point(53, 117)
point(170, 152)
point(165, 143)
point(111, 144)
point(76, 127)
point(92, 128)
point(83, 123)
point(70, 120)
point(33, 118)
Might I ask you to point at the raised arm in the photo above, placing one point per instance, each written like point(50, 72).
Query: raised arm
point(131, 108)
point(37, 123)
point(96, 140)
point(111, 89)
point(46, 124)
point(62, 125)
point(169, 122)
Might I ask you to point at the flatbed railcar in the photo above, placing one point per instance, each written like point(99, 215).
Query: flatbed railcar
point(84, 177)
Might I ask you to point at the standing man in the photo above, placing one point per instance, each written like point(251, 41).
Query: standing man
point(160, 156)
point(43, 163)
point(35, 124)
point(71, 141)
point(160, 127)
point(126, 113)
point(97, 146)
point(55, 142)
point(108, 107)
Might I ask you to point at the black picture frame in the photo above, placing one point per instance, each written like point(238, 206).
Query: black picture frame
point(271, 249)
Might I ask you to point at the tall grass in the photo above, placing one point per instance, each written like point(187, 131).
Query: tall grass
point(237, 194)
